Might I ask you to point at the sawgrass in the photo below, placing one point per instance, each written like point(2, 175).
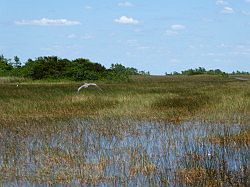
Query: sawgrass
point(126, 135)
point(171, 99)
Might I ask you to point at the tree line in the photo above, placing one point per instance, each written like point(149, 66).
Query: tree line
point(53, 67)
point(201, 70)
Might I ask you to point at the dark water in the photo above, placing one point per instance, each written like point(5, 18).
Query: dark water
point(124, 153)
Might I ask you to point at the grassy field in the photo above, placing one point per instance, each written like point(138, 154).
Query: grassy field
point(170, 99)
point(50, 134)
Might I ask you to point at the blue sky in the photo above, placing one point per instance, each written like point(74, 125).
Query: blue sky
point(157, 36)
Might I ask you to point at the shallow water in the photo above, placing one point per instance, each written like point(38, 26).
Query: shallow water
point(124, 153)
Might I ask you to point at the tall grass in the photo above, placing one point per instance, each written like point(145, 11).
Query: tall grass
point(173, 99)
point(124, 153)
point(126, 135)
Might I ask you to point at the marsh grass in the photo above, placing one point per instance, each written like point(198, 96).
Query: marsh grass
point(172, 99)
point(133, 133)
point(235, 139)
point(4, 80)
point(90, 152)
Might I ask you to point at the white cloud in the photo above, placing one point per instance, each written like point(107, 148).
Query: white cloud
point(221, 2)
point(228, 10)
point(126, 20)
point(178, 27)
point(48, 22)
point(125, 4)
point(171, 33)
point(143, 47)
point(81, 37)
point(175, 29)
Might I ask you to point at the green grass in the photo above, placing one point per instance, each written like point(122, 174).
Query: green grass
point(171, 99)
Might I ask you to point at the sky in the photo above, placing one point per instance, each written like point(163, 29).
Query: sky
point(152, 35)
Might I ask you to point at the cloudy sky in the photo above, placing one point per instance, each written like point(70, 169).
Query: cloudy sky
point(152, 35)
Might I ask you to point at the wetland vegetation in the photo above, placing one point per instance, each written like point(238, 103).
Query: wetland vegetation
point(148, 131)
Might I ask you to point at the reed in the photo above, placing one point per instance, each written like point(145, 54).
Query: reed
point(152, 131)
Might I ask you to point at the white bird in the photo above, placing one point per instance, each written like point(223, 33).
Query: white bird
point(86, 85)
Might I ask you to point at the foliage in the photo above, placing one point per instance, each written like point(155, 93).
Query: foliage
point(5, 66)
point(52, 67)
point(240, 73)
point(83, 69)
point(201, 70)
point(17, 63)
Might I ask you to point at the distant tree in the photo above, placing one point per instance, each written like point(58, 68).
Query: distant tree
point(175, 73)
point(5, 65)
point(84, 69)
point(45, 67)
point(200, 70)
point(144, 73)
point(17, 62)
point(132, 71)
point(53, 67)
point(241, 72)
point(118, 72)
point(118, 68)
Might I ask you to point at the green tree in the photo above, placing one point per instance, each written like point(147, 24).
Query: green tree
point(17, 62)
point(5, 66)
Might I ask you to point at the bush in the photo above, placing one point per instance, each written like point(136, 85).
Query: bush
point(52, 67)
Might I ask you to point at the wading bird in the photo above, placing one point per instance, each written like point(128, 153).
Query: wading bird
point(86, 85)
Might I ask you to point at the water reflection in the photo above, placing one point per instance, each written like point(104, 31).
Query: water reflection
point(124, 153)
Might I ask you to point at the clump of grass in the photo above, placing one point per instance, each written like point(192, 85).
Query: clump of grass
point(189, 103)
point(192, 176)
point(240, 138)
point(140, 164)
point(97, 103)
point(182, 106)
point(200, 176)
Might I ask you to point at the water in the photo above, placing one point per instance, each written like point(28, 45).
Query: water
point(124, 153)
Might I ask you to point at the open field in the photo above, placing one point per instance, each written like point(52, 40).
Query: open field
point(153, 130)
